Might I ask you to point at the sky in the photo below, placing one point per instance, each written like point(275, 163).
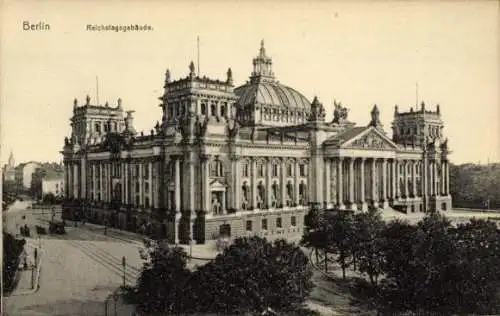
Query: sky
point(359, 53)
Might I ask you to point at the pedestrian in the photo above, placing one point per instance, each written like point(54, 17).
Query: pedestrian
point(36, 256)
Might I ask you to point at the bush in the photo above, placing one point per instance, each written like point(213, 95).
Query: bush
point(12, 249)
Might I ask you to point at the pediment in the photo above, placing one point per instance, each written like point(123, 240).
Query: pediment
point(370, 139)
point(217, 185)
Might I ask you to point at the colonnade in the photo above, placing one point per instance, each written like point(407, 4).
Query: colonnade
point(131, 181)
point(355, 182)
point(349, 182)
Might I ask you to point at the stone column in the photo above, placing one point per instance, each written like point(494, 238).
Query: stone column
point(140, 177)
point(206, 204)
point(223, 202)
point(447, 179)
point(101, 184)
point(364, 206)
point(397, 189)
point(191, 187)
point(268, 183)
point(283, 181)
point(254, 183)
point(177, 176)
point(69, 192)
point(150, 180)
point(297, 182)
point(351, 183)
point(374, 182)
point(327, 187)
point(94, 183)
point(127, 182)
point(340, 188)
point(237, 183)
point(435, 178)
point(83, 177)
point(385, 203)
point(414, 178)
point(405, 176)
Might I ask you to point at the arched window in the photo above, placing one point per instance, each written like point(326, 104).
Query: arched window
point(275, 169)
point(245, 170)
point(203, 108)
point(223, 110)
point(289, 170)
point(260, 169)
point(213, 109)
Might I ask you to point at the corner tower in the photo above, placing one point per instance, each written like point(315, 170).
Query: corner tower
point(90, 123)
point(415, 126)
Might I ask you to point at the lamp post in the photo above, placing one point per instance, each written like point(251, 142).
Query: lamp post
point(124, 264)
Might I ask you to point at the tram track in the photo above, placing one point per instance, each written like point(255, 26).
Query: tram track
point(105, 259)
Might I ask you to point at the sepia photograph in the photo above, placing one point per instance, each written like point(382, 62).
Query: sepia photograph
point(291, 158)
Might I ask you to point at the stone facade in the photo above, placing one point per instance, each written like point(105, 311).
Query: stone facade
point(248, 160)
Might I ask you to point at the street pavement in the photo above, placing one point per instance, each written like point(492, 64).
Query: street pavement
point(79, 270)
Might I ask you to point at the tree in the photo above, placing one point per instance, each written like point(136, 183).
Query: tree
point(477, 262)
point(314, 232)
point(162, 279)
point(340, 231)
point(12, 249)
point(252, 275)
point(368, 242)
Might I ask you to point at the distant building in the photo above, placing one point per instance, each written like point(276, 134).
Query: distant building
point(248, 160)
point(9, 170)
point(47, 178)
point(24, 174)
point(54, 185)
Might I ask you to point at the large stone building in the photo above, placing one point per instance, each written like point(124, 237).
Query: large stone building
point(247, 160)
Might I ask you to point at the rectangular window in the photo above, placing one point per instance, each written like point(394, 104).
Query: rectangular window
point(289, 170)
point(146, 187)
point(264, 224)
point(146, 171)
point(146, 202)
point(279, 224)
point(293, 221)
point(249, 226)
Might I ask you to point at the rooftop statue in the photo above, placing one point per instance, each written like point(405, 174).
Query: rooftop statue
point(340, 112)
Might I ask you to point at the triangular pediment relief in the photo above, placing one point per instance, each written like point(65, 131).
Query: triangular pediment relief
point(369, 139)
point(217, 185)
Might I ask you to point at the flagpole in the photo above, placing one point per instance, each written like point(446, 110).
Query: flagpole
point(198, 53)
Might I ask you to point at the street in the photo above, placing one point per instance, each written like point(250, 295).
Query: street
point(79, 270)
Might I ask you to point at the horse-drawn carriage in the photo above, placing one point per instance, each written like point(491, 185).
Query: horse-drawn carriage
point(57, 227)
